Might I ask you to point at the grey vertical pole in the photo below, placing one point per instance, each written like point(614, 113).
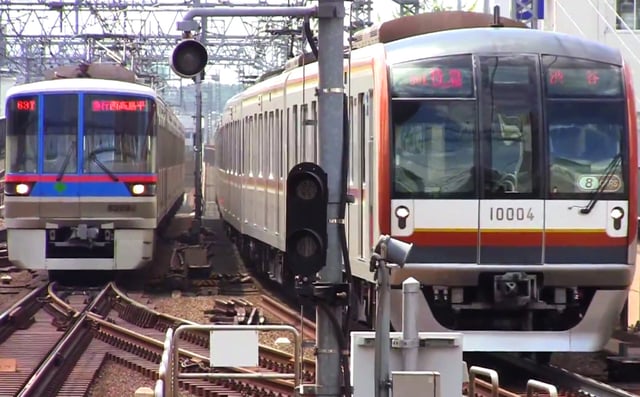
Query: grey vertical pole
point(197, 138)
point(487, 7)
point(410, 296)
point(330, 102)
point(383, 341)
point(459, 5)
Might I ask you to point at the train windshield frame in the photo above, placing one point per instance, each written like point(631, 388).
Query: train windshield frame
point(434, 128)
point(23, 124)
point(119, 133)
point(585, 106)
point(496, 134)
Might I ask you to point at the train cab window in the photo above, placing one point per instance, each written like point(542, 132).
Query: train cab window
point(118, 133)
point(510, 103)
point(22, 134)
point(585, 114)
point(434, 128)
point(60, 133)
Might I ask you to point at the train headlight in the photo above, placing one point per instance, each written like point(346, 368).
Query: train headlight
point(137, 189)
point(402, 212)
point(141, 189)
point(617, 213)
point(22, 188)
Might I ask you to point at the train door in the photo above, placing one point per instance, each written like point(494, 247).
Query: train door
point(511, 205)
point(61, 139)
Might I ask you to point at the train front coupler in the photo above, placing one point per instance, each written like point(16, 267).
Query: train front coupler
point(515, 289)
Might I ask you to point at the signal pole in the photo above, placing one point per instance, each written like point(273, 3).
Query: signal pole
point(330, 114)
point(331, 15)
point(197, 139)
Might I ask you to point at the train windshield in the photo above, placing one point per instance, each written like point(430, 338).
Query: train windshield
point(60, 133)
point(434, 123)
point(22, 134)
point(460, 133)
point(585, 114)
point(118, 134)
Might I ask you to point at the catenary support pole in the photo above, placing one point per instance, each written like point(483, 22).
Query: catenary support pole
point(330, 102)
point(331, 15)
point(197, 140)
point(410, 296)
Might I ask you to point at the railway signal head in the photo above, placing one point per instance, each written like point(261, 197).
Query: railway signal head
point(188, 58)
point(307, 197)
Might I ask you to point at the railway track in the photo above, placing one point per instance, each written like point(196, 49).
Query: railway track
point(519, 370)
point(288, 316)
point(70, 334)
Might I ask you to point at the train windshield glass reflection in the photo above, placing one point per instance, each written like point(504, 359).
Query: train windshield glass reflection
point(119, 133)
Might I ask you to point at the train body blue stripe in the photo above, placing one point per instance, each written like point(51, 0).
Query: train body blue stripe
point(80, 189)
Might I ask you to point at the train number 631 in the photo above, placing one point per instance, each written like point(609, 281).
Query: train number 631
point(510, 214)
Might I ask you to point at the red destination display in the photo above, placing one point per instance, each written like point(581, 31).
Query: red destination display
point(591, 77)
point(437, 78)
point(118, 106)
point(568, 77)
point(448, 77)
point(26, 105)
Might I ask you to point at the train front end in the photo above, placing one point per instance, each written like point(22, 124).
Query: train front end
point(514, 174)
point(80, 182)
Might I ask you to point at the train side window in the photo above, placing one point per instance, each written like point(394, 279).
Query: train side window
point(294, 141)
point(314, 132)
point(304, 113)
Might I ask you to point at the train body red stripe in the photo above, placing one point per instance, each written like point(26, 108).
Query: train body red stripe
point(515, 238)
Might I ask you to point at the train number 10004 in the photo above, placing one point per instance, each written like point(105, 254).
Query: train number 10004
point(510, 214)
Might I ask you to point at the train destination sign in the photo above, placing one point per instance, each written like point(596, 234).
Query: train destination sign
point(25, 105)
point(118, 105)
point(578, 78)
point(442, 77)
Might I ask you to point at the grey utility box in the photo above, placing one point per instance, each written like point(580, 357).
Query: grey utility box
point(439, 352)
point(415, 383)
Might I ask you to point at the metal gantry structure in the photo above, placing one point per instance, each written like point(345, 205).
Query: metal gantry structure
point(40, 34)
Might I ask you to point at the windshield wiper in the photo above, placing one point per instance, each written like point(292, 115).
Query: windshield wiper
point(65, 163)
point(608, 174)
point(103, 167)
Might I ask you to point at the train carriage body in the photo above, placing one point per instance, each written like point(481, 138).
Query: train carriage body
point(94, 166)
point(506, 155)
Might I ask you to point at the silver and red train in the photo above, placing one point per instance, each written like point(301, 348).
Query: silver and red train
point(507, 156)
point(95, 163)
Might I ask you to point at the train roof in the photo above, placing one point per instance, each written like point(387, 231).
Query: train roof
point(81, 84)
point(499, 40)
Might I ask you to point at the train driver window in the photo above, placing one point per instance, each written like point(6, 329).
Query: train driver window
point(434, 147)
point(585, 114)
point(22, 134)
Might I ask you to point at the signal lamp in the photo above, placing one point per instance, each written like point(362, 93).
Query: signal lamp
point(307, 198)
point(189, 58)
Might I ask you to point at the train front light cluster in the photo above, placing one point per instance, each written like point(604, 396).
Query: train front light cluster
point(307, 198)
point(142, 189)
point(18, 188)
